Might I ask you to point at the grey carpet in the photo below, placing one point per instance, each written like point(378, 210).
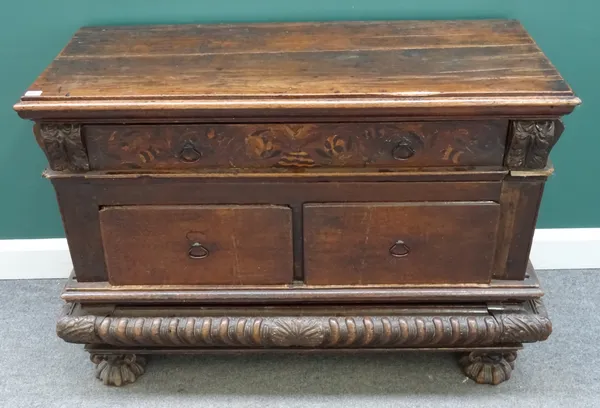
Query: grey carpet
point(39, 370)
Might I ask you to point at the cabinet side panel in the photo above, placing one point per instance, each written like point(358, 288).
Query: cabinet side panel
point(79, 212)
point(520, 202)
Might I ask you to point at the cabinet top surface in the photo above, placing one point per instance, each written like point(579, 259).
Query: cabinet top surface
point(469, 65)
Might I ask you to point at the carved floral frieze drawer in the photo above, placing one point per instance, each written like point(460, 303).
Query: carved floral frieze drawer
point(408, 144)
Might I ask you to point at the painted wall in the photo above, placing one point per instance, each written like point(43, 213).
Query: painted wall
point(32, 32)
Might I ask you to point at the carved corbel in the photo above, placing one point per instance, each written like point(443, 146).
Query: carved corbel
point(63, 146)
point(530, 143)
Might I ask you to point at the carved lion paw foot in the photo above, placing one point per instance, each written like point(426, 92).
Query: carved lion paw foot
point(489, 367)
point(118, 369)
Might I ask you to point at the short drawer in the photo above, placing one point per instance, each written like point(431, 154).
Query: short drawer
point(391, 144)
point(399, 243)
point(202, 245)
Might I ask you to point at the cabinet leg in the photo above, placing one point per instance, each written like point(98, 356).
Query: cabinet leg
point(118, 369)
point(488, 367)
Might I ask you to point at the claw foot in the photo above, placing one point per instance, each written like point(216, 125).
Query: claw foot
point(118, 369)
point(488, 367)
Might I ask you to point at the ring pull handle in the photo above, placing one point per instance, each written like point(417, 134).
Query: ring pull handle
point(198, 251)
point(403, 151)
point(188, 153)
point(399, 249)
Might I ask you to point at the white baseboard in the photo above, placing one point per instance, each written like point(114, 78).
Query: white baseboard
point(561, 248)
point(34, 258)
point(566, 248)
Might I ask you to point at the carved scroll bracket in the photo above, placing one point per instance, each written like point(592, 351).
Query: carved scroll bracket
point(530, 143)
point(63, 146)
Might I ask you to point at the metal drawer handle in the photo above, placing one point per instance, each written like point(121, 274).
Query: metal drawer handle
point(198, 251)
point(403, 151)
point(189, 154)
point(399, 249)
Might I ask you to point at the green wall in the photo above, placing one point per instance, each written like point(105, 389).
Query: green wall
point(32, 32)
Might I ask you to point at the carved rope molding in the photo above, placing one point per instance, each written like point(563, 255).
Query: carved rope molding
point(307, 331)
point(63, 146)
point(531, 143)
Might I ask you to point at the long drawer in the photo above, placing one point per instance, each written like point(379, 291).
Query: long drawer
point(389, 144)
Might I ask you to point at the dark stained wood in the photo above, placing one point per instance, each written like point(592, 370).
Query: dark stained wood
point(521, 69)
point(489, 367)
point(283, 37)
point(187, 147)
point(298, 242)
point(316, 327)
point(146, 190)
point(491, 336)
point(79, 211)
point(102, 293)
point(63, 146)
point(374, 243)
point(309, 294)
point(114, 350)
point(531, 142)
point(191, 189)
point(300, 186)
point(312, 175)
point(289, 68)
point(520, 201)
point(296, 110)
point(213, 245)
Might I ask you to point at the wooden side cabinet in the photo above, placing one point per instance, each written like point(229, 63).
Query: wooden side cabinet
point(353, 186)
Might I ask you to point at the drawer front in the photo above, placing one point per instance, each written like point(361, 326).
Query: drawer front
point(406, 144)
point(399, 243)
point(212, 245)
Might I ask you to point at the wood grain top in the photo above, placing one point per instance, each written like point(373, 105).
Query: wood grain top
point(465, 67)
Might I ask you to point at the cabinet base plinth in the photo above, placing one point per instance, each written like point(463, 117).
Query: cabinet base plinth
point(118, 339)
